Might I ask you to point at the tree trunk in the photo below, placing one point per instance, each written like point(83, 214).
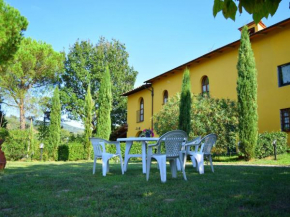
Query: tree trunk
point(22, 115)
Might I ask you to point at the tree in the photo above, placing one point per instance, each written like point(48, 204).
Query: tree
point(185, 104)
point(31, 143)
point(12, 25)
point(3, 121)
point(34, 65)
point(88, 122)
point(55, 127)
point(247, 96)
point(210, 115)
point(258, 8)
point(105, 107)
point(85, 64)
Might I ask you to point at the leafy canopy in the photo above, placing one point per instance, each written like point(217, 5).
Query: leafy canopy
point(12, 25)
point(258, 8)
point(85, 64)
point(34, 65)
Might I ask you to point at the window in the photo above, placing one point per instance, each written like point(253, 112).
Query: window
point(205, 85)
point(165, 97)
point(284, 74)
point(251, 30)
point(285, 119)
point(140, 113)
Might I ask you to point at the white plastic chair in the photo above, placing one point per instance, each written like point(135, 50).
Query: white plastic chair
point(100, 152)
point(173, 142)
point(197, 156)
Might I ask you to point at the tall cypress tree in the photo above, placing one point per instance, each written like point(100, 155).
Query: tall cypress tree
point(31, 144)
point(88, 122)
point(185, 104)
point(247, 96)
point(104, 107)
point(55, 127)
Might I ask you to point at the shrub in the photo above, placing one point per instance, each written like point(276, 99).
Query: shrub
point(72, 151)
point(208, 115)
point(15, 145)
point(265, 147)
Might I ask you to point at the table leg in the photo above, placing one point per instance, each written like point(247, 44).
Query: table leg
point(144, 156)
point(127, 151)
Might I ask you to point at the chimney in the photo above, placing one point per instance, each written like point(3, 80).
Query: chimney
point(253, 28)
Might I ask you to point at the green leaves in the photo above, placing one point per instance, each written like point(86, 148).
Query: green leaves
point(12, 25)
point(55, 127)
point(105, 107)
point(185, 104)
point(208, 115)
point(258, 8)
point(247, 96)
point(85, 64)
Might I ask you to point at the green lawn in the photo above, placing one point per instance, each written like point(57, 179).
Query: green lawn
point(70, 189)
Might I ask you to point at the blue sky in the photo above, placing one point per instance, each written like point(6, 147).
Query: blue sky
point(159, 34)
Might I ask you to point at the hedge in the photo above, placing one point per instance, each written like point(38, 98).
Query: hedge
point(265, 147)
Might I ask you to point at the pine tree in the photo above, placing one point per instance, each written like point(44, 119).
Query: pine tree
point(247, 96)
point(185, 104)
point(88, 122)
point(104, 107)
point(55, 127)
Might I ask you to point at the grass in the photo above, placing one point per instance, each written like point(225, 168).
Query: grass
point(282, 160)
point(70, 189)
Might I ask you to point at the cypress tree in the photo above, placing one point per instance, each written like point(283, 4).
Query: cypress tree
point(104, 107)
point(247, 96)
point(185, 104)
point(31, 144)
point(88, 122)
point(55, 127)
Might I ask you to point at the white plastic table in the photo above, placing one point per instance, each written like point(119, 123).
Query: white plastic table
point(129, 142)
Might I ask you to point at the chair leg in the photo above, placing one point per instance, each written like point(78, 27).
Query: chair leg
point(182, 165)
point(173, 168)
point(148, 167)
point(194, 162)
point(94, 167)
point(162, 166)
point(108, 165)
point(210, 160)
point(105, 165)
point(200, 164)
point(121, 162)
point(178, 163)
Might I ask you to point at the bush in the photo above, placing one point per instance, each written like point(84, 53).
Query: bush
point(208, 115)
point(265, 147)
point(72, 151)
point(15, 145)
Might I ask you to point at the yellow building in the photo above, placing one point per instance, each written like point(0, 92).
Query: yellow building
point(216, 72)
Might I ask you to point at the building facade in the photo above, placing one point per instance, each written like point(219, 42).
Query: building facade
point(216, 72)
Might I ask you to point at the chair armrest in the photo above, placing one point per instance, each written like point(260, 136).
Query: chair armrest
point(152, 145)
point(195, 142)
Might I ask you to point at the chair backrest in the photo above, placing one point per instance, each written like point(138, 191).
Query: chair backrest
point(98, 146)
point(208, 142)
point(173, 141)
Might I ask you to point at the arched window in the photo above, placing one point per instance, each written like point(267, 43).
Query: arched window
point(205, 85)
point(141, 115)
point(165, 97)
